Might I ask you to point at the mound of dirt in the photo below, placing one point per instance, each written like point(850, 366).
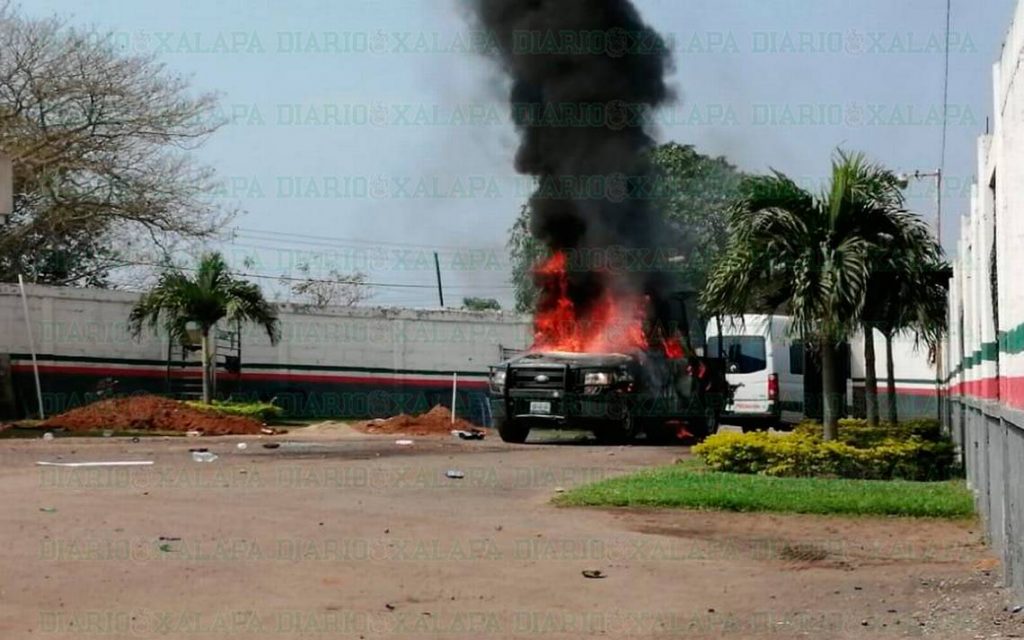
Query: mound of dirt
point(434, 422)
point(151, 413)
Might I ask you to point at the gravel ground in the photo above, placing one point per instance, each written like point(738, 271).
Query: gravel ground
point(336, 534)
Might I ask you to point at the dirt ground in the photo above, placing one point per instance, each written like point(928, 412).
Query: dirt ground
point(343, 535)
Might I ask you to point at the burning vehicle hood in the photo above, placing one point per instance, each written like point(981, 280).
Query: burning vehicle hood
point(575, 359)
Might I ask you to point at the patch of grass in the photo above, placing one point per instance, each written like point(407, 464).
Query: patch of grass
point(263, 411)
point(689, 485)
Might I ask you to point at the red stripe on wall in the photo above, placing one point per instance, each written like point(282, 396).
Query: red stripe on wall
point(987, 389)
point(911, 391)
point(291, 377)
point(105, 371)
point(409, 382)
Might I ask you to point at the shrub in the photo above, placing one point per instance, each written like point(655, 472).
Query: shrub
point(857, 433)
point(263, 411)
point(860, 452)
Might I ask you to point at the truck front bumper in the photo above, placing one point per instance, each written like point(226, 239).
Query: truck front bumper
point(557, 411)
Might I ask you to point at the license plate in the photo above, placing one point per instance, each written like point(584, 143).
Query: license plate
point(540, 408)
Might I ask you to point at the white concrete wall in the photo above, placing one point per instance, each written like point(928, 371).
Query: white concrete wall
point(985, 348)
point(92, 323)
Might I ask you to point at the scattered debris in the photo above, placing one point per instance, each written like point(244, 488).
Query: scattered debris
point(169, 539)
point(118, 463)
point(166, 548)
point(594, 574)
point(404, 443)
point(455, 474)
point(48, 509)
point(193, 434)
point(559, 490)
point(389, 606)
point(472, 434)
point(268, 431)
point(203, 456)
point(107, 433)
point(48, 436)
point(1017, 609)
point(241, 446)
point(150, 413)
point(271, 445)
point(136, 439)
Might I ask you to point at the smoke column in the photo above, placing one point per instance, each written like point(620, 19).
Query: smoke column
point(585, 75)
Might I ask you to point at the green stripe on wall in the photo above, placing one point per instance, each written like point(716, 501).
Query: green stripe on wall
point(883, 380)
point(1012, 341)
point(990, 351)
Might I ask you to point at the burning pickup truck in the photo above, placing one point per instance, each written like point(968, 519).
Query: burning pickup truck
point(615, 395)
point(610, 371)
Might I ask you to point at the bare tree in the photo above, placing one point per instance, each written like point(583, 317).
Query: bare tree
point(337, 289)
point(100, 142)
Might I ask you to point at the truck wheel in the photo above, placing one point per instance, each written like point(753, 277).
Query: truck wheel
point(617, 433)
point(710, 426)
point(660, 433)
point(511, 431)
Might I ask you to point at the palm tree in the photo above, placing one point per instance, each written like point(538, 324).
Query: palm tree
point(811, 254)
point(911, 296)
point(897, 296)
point(204, 298)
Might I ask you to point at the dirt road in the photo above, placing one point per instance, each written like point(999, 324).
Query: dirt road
point(355, 537)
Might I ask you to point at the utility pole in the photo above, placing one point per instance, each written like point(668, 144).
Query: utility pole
point(6, 188)
point(440, 290)
point(904, 180)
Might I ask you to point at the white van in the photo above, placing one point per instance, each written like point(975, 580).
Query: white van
point(764, 365)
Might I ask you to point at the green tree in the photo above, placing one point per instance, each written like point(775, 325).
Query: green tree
point(205, 297)
point(695, 192)
point(481, 304)
point(908, 292)
point(524, 252)
point(811, 254)
point(101, 140)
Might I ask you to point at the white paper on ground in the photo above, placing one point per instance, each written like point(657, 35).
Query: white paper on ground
point(123, 463)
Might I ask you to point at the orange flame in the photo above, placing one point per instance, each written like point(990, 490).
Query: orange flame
point(610, 324)
point(674, 349)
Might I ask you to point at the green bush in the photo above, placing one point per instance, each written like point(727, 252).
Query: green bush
point(262, 411)
point(912, 451)
point(857, 433)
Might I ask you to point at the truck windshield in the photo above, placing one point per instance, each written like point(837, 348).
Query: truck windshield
point(743, 354)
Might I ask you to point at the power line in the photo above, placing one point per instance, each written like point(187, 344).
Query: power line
point(386, 285)
point(945, 86)
point(371, 253)
point(302, 238)
point(945, 127)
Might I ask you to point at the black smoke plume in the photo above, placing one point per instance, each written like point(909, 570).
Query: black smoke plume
point(586, 75)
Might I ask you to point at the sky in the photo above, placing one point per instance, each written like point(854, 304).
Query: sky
point(364, 135)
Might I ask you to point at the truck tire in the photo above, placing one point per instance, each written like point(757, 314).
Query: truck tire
point(621, 432)
point(660, 433)
point(668, 433)
point(512, 431)
point(709, 427)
